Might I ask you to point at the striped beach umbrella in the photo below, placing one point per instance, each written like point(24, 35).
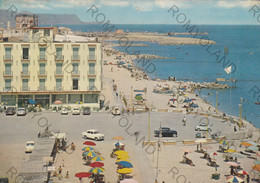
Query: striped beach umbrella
point(234, 179)
point(89, 153)
point(88, 148)
point(98, 158)
point(96, 170)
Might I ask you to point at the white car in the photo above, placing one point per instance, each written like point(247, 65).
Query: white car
point(202, 127)
point(64, 111)
point(76, 110)
point(93, 134)
point(21, 112)
point(29, 146)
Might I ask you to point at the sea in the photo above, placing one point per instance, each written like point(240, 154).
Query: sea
point(205, 63)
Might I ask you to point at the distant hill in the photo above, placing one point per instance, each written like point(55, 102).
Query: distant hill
point(44, 19)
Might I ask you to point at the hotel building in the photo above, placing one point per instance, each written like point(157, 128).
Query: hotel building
point(48, 68)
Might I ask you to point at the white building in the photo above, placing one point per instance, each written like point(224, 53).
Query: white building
point(48, 71)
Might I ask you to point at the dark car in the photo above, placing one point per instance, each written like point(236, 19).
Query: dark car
point(86, 111)
point(10, 111)
point(166, 132)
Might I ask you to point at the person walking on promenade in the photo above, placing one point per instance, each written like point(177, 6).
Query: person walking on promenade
point(184, 121)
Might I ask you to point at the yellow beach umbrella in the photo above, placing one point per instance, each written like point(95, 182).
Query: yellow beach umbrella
point(123, 156)
point(121, 153)
point(230, 151)
point(246, 144)
point(125, 170)
point(124, 159)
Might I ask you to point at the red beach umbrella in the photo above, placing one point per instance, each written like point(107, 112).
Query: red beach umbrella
point(89, 143)
point(96, 164)
point(83, 174)
point(242, 172)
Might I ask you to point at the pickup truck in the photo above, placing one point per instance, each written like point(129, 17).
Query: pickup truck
point(166, 132)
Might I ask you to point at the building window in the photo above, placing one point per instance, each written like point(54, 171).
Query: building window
point(92, 53)
point(8, 53)
point(25, 69)
point(60, 97)
point(46, 32)
point(25, 53)
point(92, 68)
point(75, 68)
point(59, 84)
point(75, 84)
point(58, 53)
point(91, 98)
point(75, 55)
point(42, 69)
point(92, 84)
point(35, 31)
point(42, 84)
point(58, 68)
point(8, 84)
point(42, 53)
point(25, 86)
point(8, 69)
point(9, 99)
point(74, 98)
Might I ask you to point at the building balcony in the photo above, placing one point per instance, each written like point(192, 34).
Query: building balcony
point(92, 88)
point(8, 74)
point(59, 57)
point(92, 58)
point(75, 73)
point(58, 73)
point(92, 73)
point(42, 88)
point(24, 88)
point(25, 74)
point(58, 88)
point(42, 58)
point(8, 58)
point(25, 58)
point(75, 58)
point(42, 74)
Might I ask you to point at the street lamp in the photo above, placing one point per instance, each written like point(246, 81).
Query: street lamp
point(216, 102)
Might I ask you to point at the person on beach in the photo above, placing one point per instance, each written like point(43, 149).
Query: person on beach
point(247, 179)
point(184, 121)
point(235, 129)
point(73, 147)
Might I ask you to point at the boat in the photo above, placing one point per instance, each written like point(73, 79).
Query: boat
point(257, 103)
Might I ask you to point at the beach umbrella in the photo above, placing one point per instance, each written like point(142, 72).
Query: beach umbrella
point(79, 102)
point(118, 144)
point(83, 174)
point(223, 142)
point(31, 101)
point(128, 181)
point(138, 97)
point(194, 105)
point(96, 170)
point(96, 164)
point(246, 144)
point(198, 141)
point(123, 159)
point(125, 164)
point(89, 143)
point(89, 153)
point(125, 170)
point(58, 102)
point(120, 153)
point(242, 172)
point(253, 148)
point(234, 179)
point(256, 167)
point(252, 143)
point(234, 164)
point(187, 100)
point(98, 158)
point(236, 155)
point(187, 150)
point(88, 148)
point(118, 138)
point(230, 151)
point(125, 156)
point(214, 154)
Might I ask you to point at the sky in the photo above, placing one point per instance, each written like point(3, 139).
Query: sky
point(147, 11)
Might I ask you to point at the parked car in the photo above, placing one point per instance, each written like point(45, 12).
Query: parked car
point(115, 111)
point(76, 111)
point(29, 146)
point(21, 112)
point(202, 127)
point(10, 111)
point(86, 111)
point(93, 134)
point(166, 132)
point(64, 111)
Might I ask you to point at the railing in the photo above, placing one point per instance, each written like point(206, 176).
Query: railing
point(92, 58)
point(42, 88)
point(42, 58)
point(8, 58)
point(25, 57)
point(25, 88)
point(25, 73)
point(59, 73)
point(59, 57)
point(42, 73)
point(8, 73)
point(58, 88)
point(75, 57)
